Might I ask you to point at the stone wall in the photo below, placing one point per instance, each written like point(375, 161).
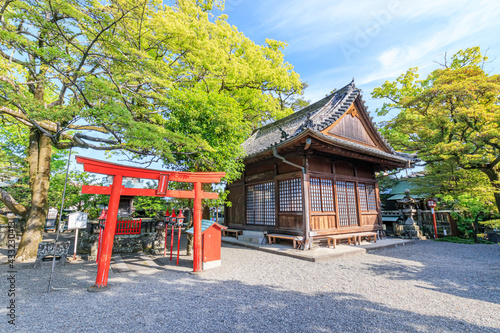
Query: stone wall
point(122, 244)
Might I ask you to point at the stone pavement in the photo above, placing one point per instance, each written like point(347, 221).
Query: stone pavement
point(322, 253)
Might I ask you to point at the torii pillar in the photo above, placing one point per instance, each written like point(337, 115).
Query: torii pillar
point(116, 190)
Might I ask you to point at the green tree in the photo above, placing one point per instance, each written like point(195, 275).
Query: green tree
point(104, 75)
point(451, 119)
point(472, 209)
point(14, 169)
point(152, 206)
point(73, 197)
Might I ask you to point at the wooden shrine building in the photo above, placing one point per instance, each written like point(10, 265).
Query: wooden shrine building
point(312, 174)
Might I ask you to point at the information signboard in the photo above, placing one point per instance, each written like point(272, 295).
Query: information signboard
point(77, 220)
point(50, 222)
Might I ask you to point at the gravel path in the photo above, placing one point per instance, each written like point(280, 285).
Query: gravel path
point(427, 287)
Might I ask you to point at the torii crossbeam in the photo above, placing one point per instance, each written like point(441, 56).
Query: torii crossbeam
point(116, 190)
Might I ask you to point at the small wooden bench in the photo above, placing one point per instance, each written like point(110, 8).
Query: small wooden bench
point(297, 240)
point(369, 235)
point(236, 232)
point(350, 238)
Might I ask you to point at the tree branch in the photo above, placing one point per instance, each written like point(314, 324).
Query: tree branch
point(2, 10)
point(10, 58)
point(91, 138)
point(12, 204)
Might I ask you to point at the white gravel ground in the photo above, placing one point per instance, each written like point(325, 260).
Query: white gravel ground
point(427, 287)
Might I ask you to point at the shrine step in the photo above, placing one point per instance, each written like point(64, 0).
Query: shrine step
point(254, 237)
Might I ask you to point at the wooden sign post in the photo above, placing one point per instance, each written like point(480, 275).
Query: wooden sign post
point(77, 220)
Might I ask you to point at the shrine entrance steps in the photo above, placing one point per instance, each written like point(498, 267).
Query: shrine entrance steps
point(253, 237)
point(320, 253)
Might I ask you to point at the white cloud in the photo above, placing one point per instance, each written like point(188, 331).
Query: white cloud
point(400, 34)
point(316, 23)
point(471, 20)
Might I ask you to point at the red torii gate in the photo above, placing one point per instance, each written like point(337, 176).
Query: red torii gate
point(116, 190)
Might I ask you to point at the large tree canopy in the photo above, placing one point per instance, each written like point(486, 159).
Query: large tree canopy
point(451, 119)
point(137, 76)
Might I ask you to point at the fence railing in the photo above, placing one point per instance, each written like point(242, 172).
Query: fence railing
point(128, 226)
point(145, 226)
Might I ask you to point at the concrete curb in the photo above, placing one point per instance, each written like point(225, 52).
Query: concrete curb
point(312, 258)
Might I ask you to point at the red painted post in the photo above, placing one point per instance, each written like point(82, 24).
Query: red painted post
point(99, 244)
point(180, 220)
point(434, 221)
point(178, 243)
point(171, 241)
point(432, 204)
point(197, 228)
point(102, 219)
point(109, 234)
point(167, 219)
point(172, 221)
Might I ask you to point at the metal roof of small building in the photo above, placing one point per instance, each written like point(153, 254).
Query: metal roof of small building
point(389, 218)
point(408, 183)
point(205, 224)
point(316, 117)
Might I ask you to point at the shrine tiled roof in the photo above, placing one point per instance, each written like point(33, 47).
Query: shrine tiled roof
point(315, 118)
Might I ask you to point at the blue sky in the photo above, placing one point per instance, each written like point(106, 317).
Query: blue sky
point(330, 42)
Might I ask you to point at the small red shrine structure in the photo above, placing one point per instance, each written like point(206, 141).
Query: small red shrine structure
point(116, 190)
point(211, 243)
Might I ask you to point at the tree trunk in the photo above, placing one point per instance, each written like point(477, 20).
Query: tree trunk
point(205, 215)
point(476, 227)
point(39, 155)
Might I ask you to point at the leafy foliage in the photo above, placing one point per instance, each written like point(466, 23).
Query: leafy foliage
point(113, 75)
point(454, 239)
point(469, 209)
point(150, 206)
point(451, 119)
point(165, 83)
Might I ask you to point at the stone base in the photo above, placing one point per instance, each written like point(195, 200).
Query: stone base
point(211, 264)
point(410, 231)
point(95, 289)
point(254, 237)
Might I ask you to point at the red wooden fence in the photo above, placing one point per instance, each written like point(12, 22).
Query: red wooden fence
point(128, 227)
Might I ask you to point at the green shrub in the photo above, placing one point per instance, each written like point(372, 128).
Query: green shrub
point(455, 239)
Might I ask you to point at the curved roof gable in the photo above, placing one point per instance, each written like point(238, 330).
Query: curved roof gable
point(328, 116)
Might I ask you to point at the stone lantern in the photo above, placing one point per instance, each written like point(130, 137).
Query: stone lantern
point(408, 207)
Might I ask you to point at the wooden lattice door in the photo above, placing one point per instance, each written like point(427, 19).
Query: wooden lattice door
point(346, 200)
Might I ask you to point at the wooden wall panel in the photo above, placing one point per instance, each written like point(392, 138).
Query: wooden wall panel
point(344, 169)
point(268, 175)
point(320, 165)
point(370, 219)
point(286, 168)
point(236, 213)
point(290, 221)
point(352, 127)
point(320, 222)
point(365, 171)
point(260, 167)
